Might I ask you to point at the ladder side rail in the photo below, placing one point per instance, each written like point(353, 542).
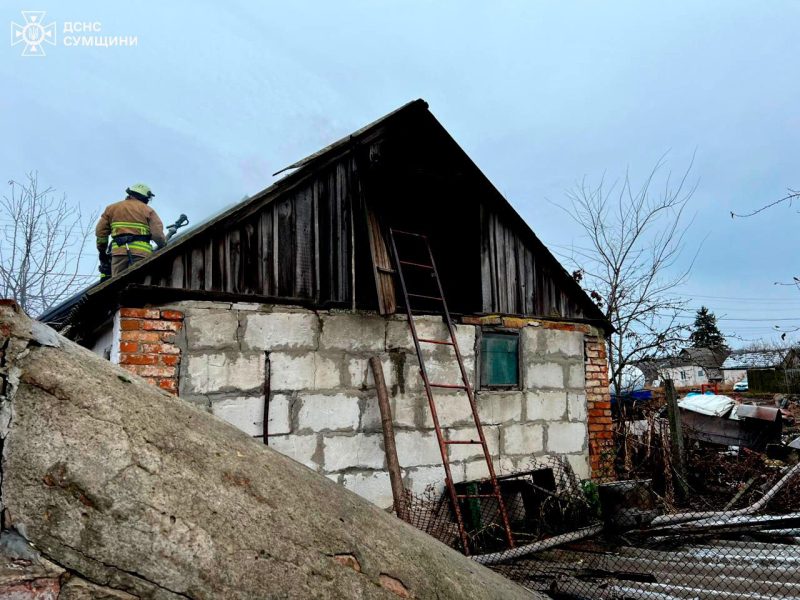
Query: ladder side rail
point(434, 416)
point(473, 404)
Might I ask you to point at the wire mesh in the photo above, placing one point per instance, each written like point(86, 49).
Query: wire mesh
point(728, 528)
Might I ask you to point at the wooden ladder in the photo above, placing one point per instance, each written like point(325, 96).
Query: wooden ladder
point(464, 386)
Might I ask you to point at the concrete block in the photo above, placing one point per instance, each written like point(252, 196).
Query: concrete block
point(354, 333)
point(361, 376)
point(576, 378)
point(280, 416)
point(310, 371)
point(499, 407)
point(580, 465)
point(463, 452)
point(398, 335)
point(323, 412)
point(302, 448)
point(353, 451)
point(211, 329)
point(245, 413)
point(444, 369)
point(371, 416)
point(209, 373)
point(405, 407)
point(565, 343)
point(247, 306)
point(372, 486)
point(417, 448)
point(281, 331)
point(566, 438)
point(326, 372)
point(546, 405)
point(544, 375)
point(532, 342)
point(421, 479)
point(453, 410)
point(477, 469)
point(576, 406)
point(526, 439)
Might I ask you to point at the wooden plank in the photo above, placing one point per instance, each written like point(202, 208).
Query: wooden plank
point(267, 239)
point(233, 264)
point(196, 269)
point(285, 254)
point(208, 265)
point(303, 244)
point(177, 279)
point(250, 277)
point(384, 282)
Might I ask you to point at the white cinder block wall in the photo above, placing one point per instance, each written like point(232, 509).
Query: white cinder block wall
point(323, 408)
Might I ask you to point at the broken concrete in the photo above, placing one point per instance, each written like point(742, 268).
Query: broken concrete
point(139, 493)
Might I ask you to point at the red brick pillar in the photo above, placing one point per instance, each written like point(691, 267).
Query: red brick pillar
point(147, 345)
point(598, 403)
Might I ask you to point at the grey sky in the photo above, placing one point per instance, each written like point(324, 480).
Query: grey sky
point(217, 96)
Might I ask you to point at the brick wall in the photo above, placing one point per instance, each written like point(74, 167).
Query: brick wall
point(598, 403)
point(147, 345)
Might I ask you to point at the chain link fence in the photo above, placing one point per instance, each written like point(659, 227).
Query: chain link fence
point(726, 528)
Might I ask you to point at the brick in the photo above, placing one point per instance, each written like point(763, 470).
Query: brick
point(131, 347)
point(159, 349)
point(138, 359)
point(169, 385)
point(167, 337)
point(159, 325)
point(130, 324)
point(152, 371)
point(169, 360)
point(172, 315)
point(139, 336)
point(139, 313)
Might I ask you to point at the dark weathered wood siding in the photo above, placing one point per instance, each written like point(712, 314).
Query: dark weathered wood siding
point(517, 278)
point(297, 245)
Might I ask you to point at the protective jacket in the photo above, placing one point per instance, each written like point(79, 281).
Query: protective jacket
point(130, 224)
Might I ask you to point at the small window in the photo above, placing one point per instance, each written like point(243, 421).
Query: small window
point(499, 360)
point(700, 373)
point(683, 374)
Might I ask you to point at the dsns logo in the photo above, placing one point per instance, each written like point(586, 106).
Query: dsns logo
point(33, 33)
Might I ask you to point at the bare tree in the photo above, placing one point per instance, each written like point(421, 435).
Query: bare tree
point(631, 264)
point(42, 244)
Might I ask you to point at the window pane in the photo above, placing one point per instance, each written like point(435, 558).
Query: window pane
point(499, 359)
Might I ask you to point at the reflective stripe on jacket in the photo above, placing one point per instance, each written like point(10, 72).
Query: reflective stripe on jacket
point(129, 217)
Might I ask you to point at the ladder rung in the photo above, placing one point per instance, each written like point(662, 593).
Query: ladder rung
point(386, 270)
point(415, 264)
point(462, 441)
point(466, 496)
point(441, 342)
point(439, 298)
point(449, 386)
point(419, 235)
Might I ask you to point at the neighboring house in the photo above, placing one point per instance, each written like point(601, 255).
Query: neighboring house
point(274, 307)
point(691, 367)
point(739, 362)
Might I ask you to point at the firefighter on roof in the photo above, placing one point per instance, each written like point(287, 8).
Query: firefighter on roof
point(131, 225)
